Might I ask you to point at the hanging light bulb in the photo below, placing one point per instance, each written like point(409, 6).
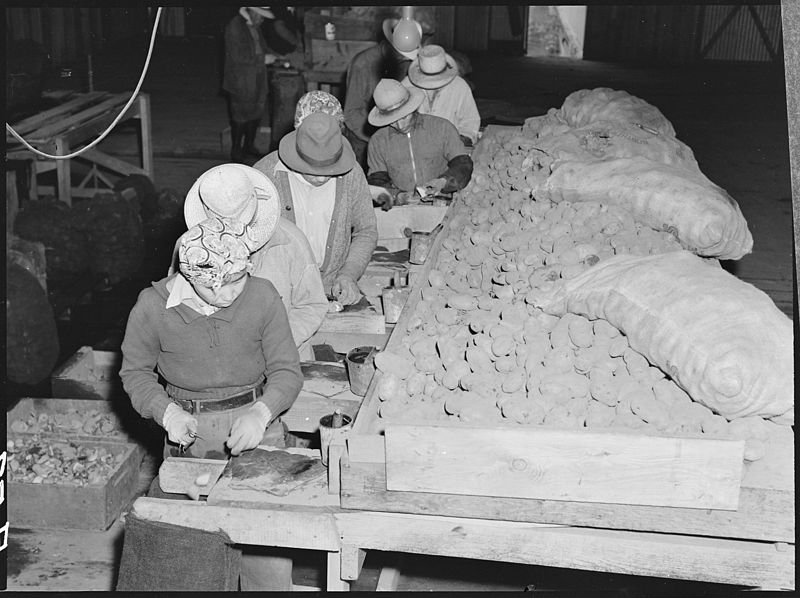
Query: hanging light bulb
point(407, 35)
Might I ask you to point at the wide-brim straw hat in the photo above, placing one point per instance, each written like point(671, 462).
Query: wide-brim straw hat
point(433, 68)
point(388, 32)
point(237, 192)
point(317, 147)
point(393, 101)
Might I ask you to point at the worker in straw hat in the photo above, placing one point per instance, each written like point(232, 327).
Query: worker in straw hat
point(446, 94)
point(389, 59)
point(221, 341)
point(245, 78)
point(324, 191)
point(280, 251)
point(412, 152)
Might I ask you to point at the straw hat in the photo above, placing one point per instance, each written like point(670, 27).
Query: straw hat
point(432, 68)
point(236, 192)
point(264, 11)
point(317, 147)
point(404, 39)
point(393, 101)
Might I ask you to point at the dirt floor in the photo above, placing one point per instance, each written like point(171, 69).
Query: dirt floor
point(732, 116)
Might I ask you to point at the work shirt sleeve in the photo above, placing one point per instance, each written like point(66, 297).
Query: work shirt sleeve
point(140, 350)
point(364, 237)
point(459, 164)
point(284, 377)
point(376, 155)
point(468, 119)
point(309, 304)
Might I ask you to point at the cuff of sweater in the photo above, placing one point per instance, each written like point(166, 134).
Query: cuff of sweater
point(263, 413)
point(158, 407)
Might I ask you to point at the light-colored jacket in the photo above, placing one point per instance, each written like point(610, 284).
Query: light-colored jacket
point(453, 102)
point(353, 233)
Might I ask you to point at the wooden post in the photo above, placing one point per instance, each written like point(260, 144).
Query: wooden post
point(64, 186)
point(352, 562)
point(147, 141)
point(335, 583)
point(12, 201)
point(790, 14)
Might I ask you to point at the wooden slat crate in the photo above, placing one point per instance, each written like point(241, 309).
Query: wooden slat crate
point(66, 506)
point(89, 374)
point(380, 473)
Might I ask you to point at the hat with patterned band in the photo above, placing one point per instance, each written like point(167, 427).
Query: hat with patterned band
point(235, 192)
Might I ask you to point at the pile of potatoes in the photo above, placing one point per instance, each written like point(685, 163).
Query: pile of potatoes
point(93, 422)
point(34, 460)
point(477, 350)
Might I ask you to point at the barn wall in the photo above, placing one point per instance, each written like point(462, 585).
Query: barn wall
point(681, 34)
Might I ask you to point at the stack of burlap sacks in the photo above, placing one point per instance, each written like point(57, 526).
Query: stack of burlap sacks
point(721, 339)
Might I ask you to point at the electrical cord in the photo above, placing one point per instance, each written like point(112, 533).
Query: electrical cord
point(105, 133)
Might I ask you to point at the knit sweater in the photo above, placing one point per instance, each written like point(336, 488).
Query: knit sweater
point(353, 232)
point(214, 356)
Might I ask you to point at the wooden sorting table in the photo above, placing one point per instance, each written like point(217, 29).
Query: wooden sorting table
point(76, 121)
point(745, 538)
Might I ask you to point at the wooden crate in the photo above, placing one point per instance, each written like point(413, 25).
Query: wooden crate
point(64, 506)
point(89, 374)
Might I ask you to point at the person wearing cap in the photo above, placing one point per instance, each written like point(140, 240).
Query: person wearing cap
point(280, 251)
point(446, 94)
point(324, 191)
point(221, 341)
point(413, 151)
point(245, 78)
point(389, 59)
point(318, 101)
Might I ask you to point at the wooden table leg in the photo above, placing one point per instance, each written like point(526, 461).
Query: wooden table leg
point(147, 140)
point(334, 582)
point(63, 172)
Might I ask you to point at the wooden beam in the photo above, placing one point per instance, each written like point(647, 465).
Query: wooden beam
point(268, 526)
point(352, 562)
point(73, 122)
point(790, 16)
point(389, 577)
point(576, 465)
point(634, 553)
point(114, 164)
point(763, 514)
point(55, 114)
point(334, 581)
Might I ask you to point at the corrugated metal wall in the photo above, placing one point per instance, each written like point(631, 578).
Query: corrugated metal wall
point(681, 34)
point(742, 33)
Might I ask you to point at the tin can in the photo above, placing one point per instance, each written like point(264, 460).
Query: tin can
point(330, 31)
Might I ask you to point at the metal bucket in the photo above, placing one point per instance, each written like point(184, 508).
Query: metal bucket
point(360, 368)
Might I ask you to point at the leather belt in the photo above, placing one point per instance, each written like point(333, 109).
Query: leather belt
point(213, 405)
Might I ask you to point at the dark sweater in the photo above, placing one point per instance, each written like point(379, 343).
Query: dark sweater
point(209, 356)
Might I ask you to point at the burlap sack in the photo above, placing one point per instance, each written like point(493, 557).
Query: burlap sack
point(587, 106)
point(704, 218)
point(721, 339)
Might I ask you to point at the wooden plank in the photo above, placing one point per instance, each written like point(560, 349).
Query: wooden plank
point(342, 342)
point(352, 562)
point(423, 218)
point(763, 514)
point(177, 475)
point(634, 553)
point(333, 574)
point(145, 122)
point(65, 124)
point(114, 164)
point(12, 201)
point(389, 577)
point(269, 526)
point(573, 465)
point(304, 414)
point(355, 320)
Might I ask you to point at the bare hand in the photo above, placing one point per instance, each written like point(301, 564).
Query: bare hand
point(270, 59)
point(435, 186)
point(346, 290)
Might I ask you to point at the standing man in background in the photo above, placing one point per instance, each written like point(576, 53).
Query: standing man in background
point(245, 78)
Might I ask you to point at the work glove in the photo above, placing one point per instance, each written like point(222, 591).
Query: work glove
point(180, 426)
point(248, 429)
point(385, 201)
point(345, 290)
point(270, 59)
point(434, 186)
